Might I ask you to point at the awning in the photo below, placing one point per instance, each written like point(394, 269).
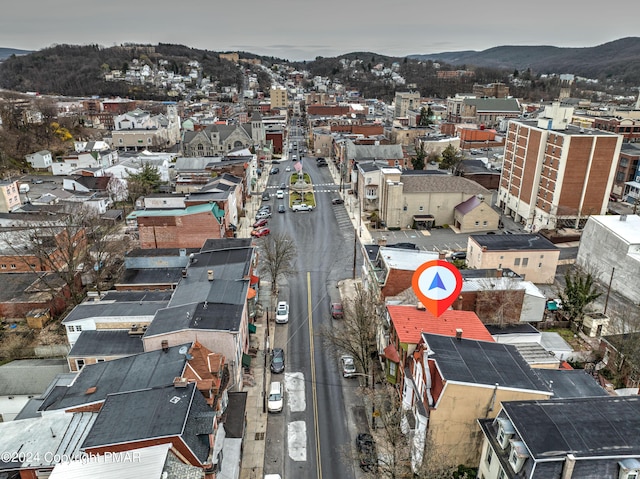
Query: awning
point(423, 217)
point(391, 354)
point(254, 280)
point(251, 293)
point(252, 328)
point(246, 360)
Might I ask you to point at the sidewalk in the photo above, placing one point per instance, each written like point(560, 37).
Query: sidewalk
point(254, 443)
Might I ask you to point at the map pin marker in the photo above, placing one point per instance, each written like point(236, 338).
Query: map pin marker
point(437, 285)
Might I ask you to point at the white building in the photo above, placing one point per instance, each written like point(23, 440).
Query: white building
point(610, 249)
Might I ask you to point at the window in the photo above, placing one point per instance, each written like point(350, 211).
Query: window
point(420, 208)
point(539, 265)
point(3, 266)
point(13, 266)
point(100, 360)
point(78, 328)
point(79, 364)
point(392, 369)
point(501, 474)
point(525, 261)
point(489, 456)
point(484, 223)
point(516, 262)
point(477, 223)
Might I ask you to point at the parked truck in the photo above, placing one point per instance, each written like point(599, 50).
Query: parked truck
point(302, 207)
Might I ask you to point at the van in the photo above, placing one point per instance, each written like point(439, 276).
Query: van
point(276, 397)
point(24, 188)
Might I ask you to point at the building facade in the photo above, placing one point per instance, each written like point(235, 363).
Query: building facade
point(555, 174)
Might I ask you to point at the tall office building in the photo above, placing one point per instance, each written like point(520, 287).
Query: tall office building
point(556, 174)
point(278, 97)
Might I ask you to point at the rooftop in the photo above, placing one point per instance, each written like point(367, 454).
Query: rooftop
point(514, 242)
point(106, 342)
point(628, 230)
point(95, 381)
point(30, 376)
point(571, 383)
point(410, 322)
point(482, 362)
point(405, 259)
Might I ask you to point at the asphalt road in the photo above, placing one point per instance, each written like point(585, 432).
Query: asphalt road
point(325, 243)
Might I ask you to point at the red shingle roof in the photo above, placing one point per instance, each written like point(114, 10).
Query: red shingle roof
point(410, 323)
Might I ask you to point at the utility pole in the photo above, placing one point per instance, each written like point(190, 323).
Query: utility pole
point(606, 301)
point(355, 250)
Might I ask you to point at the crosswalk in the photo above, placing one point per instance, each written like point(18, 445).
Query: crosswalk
point(296, 430)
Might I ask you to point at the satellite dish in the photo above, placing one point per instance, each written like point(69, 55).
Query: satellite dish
point(183, 350)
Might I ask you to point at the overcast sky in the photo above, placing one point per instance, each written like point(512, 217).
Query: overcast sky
point(302, 30)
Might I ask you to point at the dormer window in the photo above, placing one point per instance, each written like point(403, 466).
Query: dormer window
point(505, 432)
point(629, 469)
point(518, 455)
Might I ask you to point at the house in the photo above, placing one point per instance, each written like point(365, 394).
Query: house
point(412, 199)
point(211, 305)
point(499, 298)
point(627, 170)
point(531, 256)
point(157, 269)
point(218, 140)
point(9, 196)
point(485, 174)
point(475, 215)
point(115, 310)
point(610, 246)
point(152, 462)
point(175, 414)
point(187, 227)
point(406, 323)
point(25, 379)
point(94, 382)
point(23, 293)
point(489, 111)
point(70, 163)
point(458, 380)
point(40, 160)
point(619, 356)
point(591, 437)
point(139, 130)
point(94, 346)
point(39, 444)
point(390, 270)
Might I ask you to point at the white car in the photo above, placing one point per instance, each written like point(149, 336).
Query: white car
point(279, 194)
point(282, 313)
point(276, 400)
point(348, 366)
point(288, 168)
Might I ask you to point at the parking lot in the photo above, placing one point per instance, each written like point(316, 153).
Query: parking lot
point(445, 240)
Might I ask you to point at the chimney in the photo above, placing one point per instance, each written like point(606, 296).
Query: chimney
point(459, 334)
point(382, 241)
point(484, 248)
point(179, 382)
point(184, 273)
point(458, 304)
point(441, 255)
point(499, 273)
point(210, 275)
point(165, 345)
point(420, 306)
point(567, 467)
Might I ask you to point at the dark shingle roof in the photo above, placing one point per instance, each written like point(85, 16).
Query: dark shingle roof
point(482, 362)
point(513, 242)
point(145, 370)
point(571, 383)
point(155, 413)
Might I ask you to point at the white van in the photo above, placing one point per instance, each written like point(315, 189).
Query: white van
point(24, 188)
point(276, 397)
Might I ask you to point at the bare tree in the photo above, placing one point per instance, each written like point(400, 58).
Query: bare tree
point(277, 259)
point(499, 301)
point(357, 334)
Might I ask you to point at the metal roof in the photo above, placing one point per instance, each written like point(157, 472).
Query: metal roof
point(106, 342)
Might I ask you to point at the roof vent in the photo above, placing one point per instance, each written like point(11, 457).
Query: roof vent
point(165, 345)
point(459, 334)
point(184, 273)
point(210, 275)
point(420, 306)
point(91, 390)
point(179, 382)
point(623, 217)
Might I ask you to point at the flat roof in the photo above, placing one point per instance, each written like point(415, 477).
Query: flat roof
point(513, 242)
point(406, 259)
point(628, 230)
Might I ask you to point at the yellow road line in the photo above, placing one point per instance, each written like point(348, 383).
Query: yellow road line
point(314, 392)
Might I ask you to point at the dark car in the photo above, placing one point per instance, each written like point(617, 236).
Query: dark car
point(459, 255)
point(275, 171)
point(337, 201)
point(336, 311)
point(281, 209)
point(277, 360)
point(367, 454)
point(266, 196)
point(283, 186)
point(260, 223)
point(275, 162)
point(403, 246)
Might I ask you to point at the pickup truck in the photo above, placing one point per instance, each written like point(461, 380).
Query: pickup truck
point(302, 207)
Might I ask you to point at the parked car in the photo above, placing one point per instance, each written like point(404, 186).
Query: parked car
point(459, 255)
point(348, 366)
point(276, 397)
point(322, 163)
point(260, 232)
point(275, 171)
point(260, 223)
point(262, 215)
point(282, 312)
point(277, 360)
point(279, 194)
point(337, 201)
point(275, 162)
point(266, 208)
point(367, 454)
point(336, 311)
point(281, 209)
point(266, 196)
point(288, 168)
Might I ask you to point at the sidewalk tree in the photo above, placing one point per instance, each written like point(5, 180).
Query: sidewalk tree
point(357, 333)
point(277, 259)
point(579, 292)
